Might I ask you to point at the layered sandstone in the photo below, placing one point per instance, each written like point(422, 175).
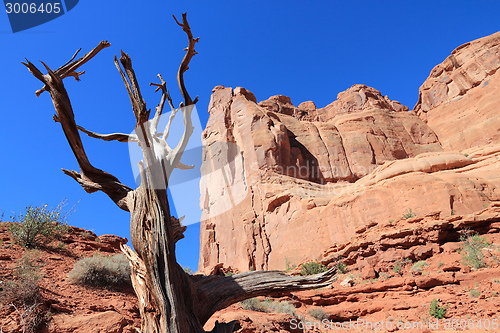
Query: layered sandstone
point(303, 178)
point(286, 163)
point(395, 269)
point(460, 100)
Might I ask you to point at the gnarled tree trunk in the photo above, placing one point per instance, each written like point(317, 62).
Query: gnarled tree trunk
point(170, 300)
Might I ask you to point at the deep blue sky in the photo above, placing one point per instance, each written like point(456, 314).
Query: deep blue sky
point(308, 50)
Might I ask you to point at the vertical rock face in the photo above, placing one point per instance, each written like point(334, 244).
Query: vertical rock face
point(460, 100)
point(293, 160)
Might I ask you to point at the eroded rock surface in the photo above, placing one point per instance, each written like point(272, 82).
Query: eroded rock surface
point(293, 162)
point(304, 178)
point(460, 100)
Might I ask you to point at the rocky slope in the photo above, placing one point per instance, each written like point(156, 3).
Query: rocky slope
point(66, 307)
point(393, 275)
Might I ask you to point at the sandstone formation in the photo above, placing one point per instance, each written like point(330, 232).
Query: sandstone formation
point(294, 160)
point(394, 274)
point(301, 179)
point(460, 100)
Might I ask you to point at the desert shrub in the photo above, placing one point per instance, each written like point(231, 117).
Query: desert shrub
point(342, 268)
point(398, 266)
point(319, 314)
point(409, 214)
point(188, 270)
point(311, 268)
point(419, 266)
point(24, 290)
point(101, 271)
point(38, 225)
point(472, 254)
point(253, 304)
point(474, 293)
point(268, 305)
point(437, 311)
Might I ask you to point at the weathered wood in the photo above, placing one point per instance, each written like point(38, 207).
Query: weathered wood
point(170, 300)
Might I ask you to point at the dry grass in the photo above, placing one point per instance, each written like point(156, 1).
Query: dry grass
point(101, 271)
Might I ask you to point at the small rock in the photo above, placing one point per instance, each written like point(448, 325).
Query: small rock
point(5, 257)
point(60, 308)
point(451, 267)
point(451, 247)
point(348, 282)
point(368, 273)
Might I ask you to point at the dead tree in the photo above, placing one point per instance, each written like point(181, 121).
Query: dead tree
point(170, 300)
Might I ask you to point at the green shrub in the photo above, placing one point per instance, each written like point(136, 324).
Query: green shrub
point(311, 268)
point(188, 270)
point(409, 214)
point(419, 266)
point(101, 271)
point(268, 305)
point(474, 293)
point(397, 267)
point(437, 311)
point(38, 225)
point(342, 268)
point(472, 254)
point(319, 314)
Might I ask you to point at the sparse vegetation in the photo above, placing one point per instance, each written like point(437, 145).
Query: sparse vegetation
point(474, 293)
point(311, 268)
point(88, 235)
point(319, 314)
point(268, 305)
point(391, 221)
point(419, 266)
point(23, 293)
point(189, 270)
point(101, 271)
point(440, 264)
point(342, 268)
point(472, 254)
point(437, 311)
point(398, 266)
point(288, 266)
point(466, 155)
point(39, 225)
point(24, 290)
point(409, 214)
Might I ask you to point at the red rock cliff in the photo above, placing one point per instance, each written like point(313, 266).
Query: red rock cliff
point(308, 178)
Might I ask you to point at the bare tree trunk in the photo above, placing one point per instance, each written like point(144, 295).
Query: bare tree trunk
point(169, 299)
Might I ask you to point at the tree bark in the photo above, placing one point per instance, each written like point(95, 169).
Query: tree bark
point(170, 300)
